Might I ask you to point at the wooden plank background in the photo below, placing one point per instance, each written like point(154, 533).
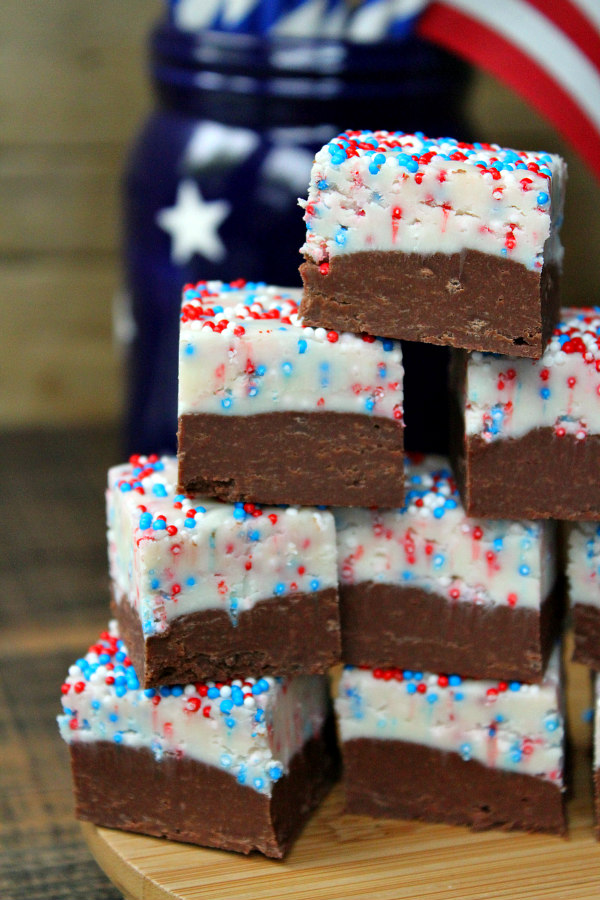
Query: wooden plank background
point(74, 92)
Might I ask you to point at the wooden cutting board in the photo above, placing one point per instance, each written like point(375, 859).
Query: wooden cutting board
point(343, 857)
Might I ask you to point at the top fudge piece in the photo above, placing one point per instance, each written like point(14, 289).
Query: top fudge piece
point(529, 431)
point(271, 411)
point(434, 240)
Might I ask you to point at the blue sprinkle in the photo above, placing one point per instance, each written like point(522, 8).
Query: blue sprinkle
point(177, 690)
point(459, 696)
point(373, 169)
point(165, 690)
point(239, 513)
point(551, 724)
point(226, 402)
point(190, 523)
point(438, 512)
point(226, 760)
point(260, 370)
point(279, 588)
point(322, 185)
point(254, 535)
point(104, 658)
point(465, 751)
point(200, 509)
point(226, 705)
point(113, 717)
point(407, 674)
point(120, 690)
point(524, 570)
point(438, 561)
point(544, 393)
point(95, 704)
point(237, 695)
point(125, 487)
point(231, 723)
point(159, 490)
point(258, 783)
point(145, 520)
point(515, 686)
point(498, 544)
point(118, 737)
point(369, 403)
point(516, 756)
point(411, 688)
point(431, 698)
point(302, 345)
point(286, 368)
point(189, 350)
point(159, 525)
point(259, 715)
point(542, 198)
point(387, 345)
point(314, 585)
point(275, 773)
point(213, 693)
point(191, 581)
point(340, 237)
point(155, 584)
point(454, 680)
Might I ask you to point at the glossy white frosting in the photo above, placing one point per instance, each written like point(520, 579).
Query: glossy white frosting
point(432, 544)
point(393, 191)
point(170, 554)
point(513, 726)
point(243, 351)
point(251, 728)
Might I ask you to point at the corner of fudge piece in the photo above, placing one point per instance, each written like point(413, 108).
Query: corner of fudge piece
point(207, 589)
point(440, 748)
point(239, 766)
point(434, 240)
point(583, 566)
point(527, 433)
point(428, 587)
point(272, 411)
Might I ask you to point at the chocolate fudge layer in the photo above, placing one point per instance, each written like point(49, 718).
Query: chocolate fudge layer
point(468, 299)
point(289, 635)
point(586, 633)
point(186, 800)
point(403, 625)
point(399, 779)
point(339, 459)
point(539, 475)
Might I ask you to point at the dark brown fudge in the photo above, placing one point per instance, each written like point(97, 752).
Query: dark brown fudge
point(470, 299)
point(403, 625)
point(305, 459)
point(289, 635)
point(442, 787)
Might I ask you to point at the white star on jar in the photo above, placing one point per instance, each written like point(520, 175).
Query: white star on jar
point(193, 224)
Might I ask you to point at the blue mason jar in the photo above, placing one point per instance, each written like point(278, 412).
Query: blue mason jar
point(211, 185)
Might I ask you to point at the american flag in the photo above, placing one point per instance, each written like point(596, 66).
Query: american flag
point(548, 51)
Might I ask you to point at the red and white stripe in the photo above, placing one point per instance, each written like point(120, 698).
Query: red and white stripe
point(548, 51)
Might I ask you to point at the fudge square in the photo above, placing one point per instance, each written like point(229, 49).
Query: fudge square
point(583, 576)
point(434, 240)
point(205, 589)
point(441, 748)
point(237, 765)
point(527, 433)
point(427, 587)
point(271, 411)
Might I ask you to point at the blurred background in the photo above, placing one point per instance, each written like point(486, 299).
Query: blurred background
point(75, 93)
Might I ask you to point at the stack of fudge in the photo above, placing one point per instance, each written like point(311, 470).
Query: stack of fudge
point(292, 532)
